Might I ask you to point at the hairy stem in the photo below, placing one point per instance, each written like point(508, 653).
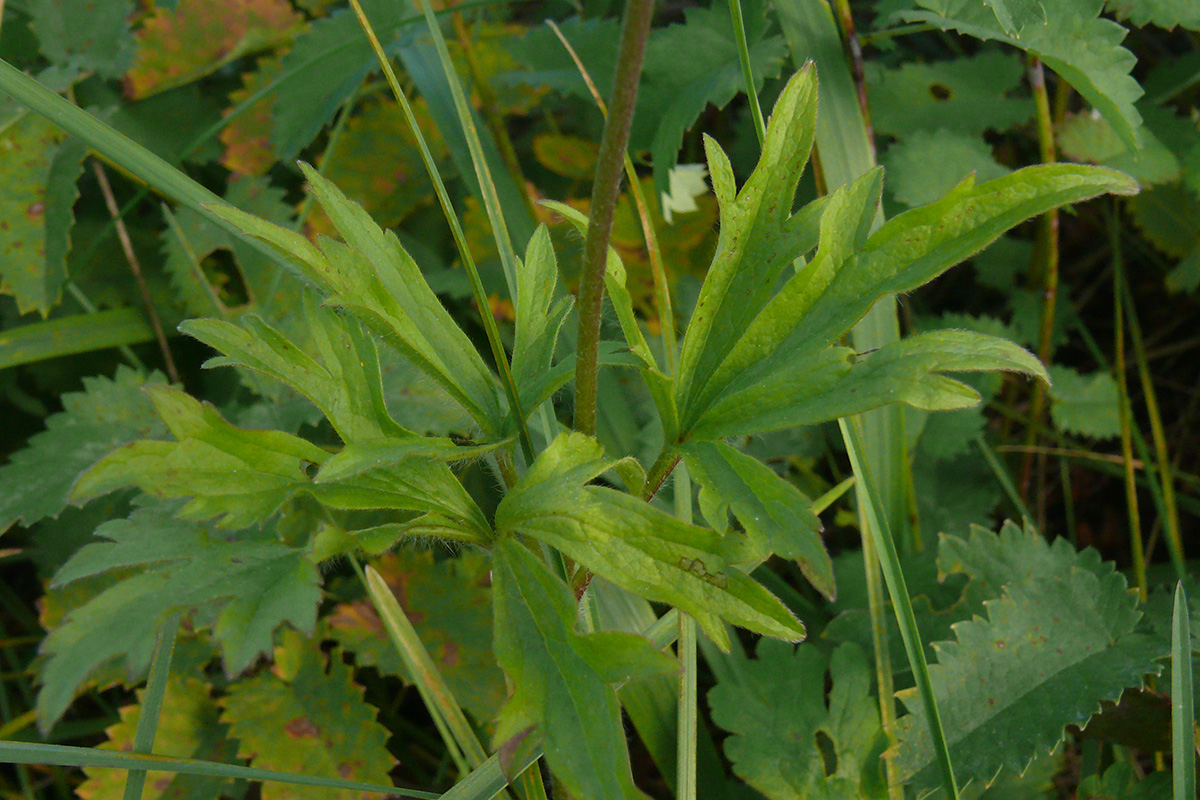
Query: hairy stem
point(635, 29)
point(739, 31)
point(1043, 273)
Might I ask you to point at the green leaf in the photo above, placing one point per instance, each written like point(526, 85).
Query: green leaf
point(108, 413)
point(636, 546)
point(1087, 405)
point(165, 564)
point(241, 476)
point(89, 37)
point(1167, 215)
point(926, 165)
point(450, 603)
point(677, 90)
point(759, 237)
point(328, 728)
point(562, 679)
point(1050, 650)
point(188, 727)
point(77, 333)
point(198, 37)
point(343, 380)
point(966, 95)
point(1163, 13)
point(1090, 138)
point(787, 740)
point(776, 516)
point(1121, 782)
point(907, 371)
point(538, 317)
point(374, 277)
point(1074, 41)
point(36, 210)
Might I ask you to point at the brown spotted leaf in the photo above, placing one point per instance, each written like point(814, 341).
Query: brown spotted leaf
point(188, 727)
point(38, 169)
point(315, 722)
point(449, 603)
point(247, 139)
point(200, 36)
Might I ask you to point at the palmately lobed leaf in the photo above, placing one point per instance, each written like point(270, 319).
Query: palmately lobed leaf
point(1049, 651)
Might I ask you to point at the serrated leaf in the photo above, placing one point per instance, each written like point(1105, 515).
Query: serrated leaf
point(323, 68)
point(1121, 782)
point(39, 173)
point(594, 40)
point(1169, 216)
point(247, 139)
point(926, 165)
point(777, 517)
point(256, 583)
point(188, 727)
point(967, 95)
point(678, 89)
point(636, 546)
point(198, 37)
point(374, 277)
point(1090, 138)
point(449, 603)
point(787, 741)
point(1046, 655)
point(241, 476)
point(1074, 41)
point(1163, 13)
point(1087, 405)
point(343, 380)
point(562, 679)
point(108, 413)
point(86, 36)
point(378, 134)
point(328, 728)
point(539, 318)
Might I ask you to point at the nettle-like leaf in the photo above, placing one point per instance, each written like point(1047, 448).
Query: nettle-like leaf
point(241, 476)
point(343, 379)
point(248, 587)
point(966, 95)
point(198, 37)
point(1088, 405)
point(188, 727)
point(788, 741)
point(328, 728)
point(108, 413)
point(376, 279)
point(1073, 40)
point(636, 546)
point(1049, 651)
point(449, 601)
point(1168, 216)
point(754, 360)
point(676, 90)
point(1163, 13)
point(89, 37)
point(925, 165)
point(1121, 782)
point(776, 516)
point(1090, 138)
point(563, 680)
point(39, 171)
point(247, 139)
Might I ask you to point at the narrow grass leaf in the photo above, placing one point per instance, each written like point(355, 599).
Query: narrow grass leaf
point(77, 333)
point(1183, 717)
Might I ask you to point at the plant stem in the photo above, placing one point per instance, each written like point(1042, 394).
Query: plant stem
point(659, 471)
point(464, 252)
point(152, 701)
point(877, 607)
point(110, 203)
point(685, 737)
point(858, 74)
point(634, 32)
point(739, 32)
point(1043, 271)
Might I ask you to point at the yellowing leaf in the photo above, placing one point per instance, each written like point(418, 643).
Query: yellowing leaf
point(247, 139)
point(315, 723)
point(200, 36)
point(449, 603)
point(569, 156)
point(187, 728)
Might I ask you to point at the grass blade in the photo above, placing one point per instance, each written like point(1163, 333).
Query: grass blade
point(489, 780)
point(67, 756)
point(156, 689)
point(889, 560)
point(79, 333)
point(1183, 717)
